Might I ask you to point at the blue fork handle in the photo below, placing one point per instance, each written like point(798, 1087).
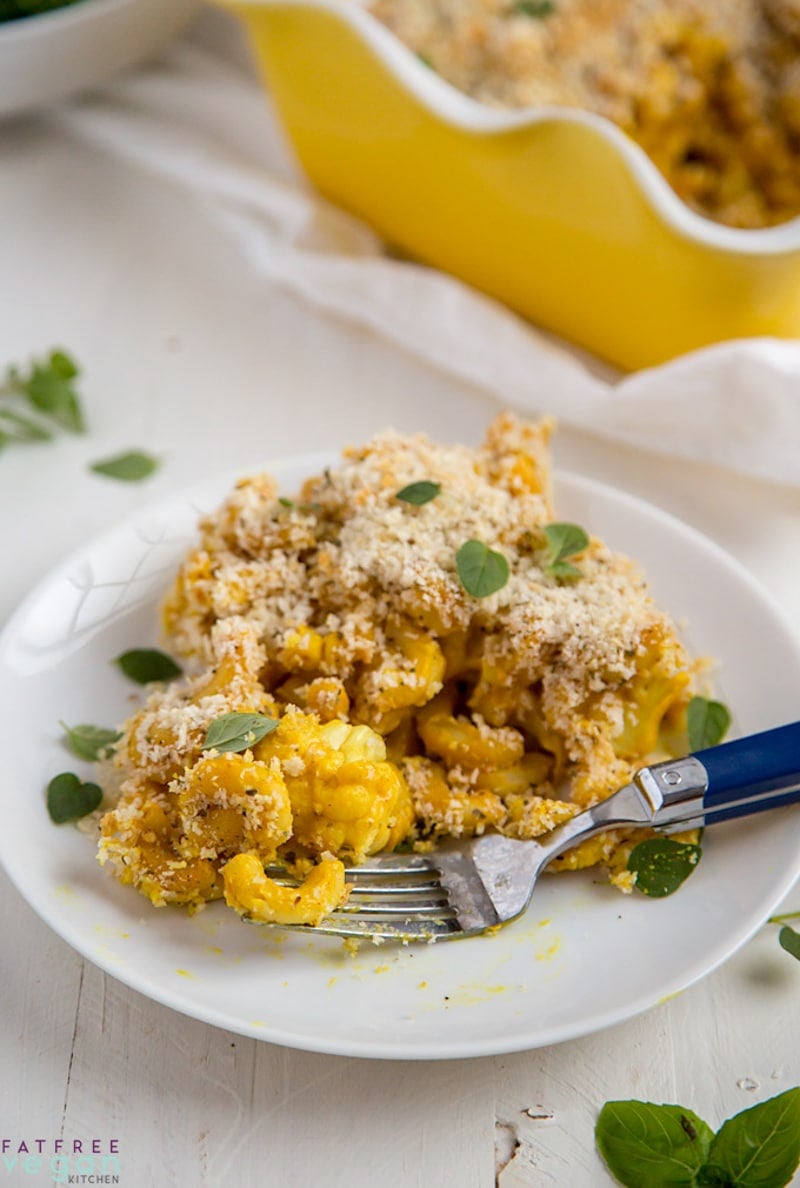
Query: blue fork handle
point(751, 774)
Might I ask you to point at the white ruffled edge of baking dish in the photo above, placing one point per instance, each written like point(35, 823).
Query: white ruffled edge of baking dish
point(459, 110)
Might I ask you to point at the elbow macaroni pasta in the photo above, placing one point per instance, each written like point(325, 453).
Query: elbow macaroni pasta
point(407, 709)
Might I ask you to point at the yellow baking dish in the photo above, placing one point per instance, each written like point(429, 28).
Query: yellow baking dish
point(555, 212)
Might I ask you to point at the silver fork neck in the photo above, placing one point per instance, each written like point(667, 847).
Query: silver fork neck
point(508, 868)
point(664, 795)
point(675, 791)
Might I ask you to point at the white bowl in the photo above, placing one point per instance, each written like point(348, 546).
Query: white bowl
point(49, 56)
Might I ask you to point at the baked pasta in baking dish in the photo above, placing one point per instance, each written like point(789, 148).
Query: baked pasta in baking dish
point(429, 655)
point(709, 88)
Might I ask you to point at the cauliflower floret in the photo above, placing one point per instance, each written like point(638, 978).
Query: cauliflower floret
point(346, 798)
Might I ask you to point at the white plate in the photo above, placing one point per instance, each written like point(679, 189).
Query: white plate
point(583, 956)
point(54, 54)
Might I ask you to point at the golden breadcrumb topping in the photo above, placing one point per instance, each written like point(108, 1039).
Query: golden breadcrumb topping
point(709, 88)
point(406, 704)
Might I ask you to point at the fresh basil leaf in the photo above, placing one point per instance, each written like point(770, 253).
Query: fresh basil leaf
point(759, 1147)
point(419, 493)
point(147, 664)
point(563, 541)
point(238, 731)
point(90, 742)
point(789, 940)
point(650, 1146)
point(68, 799)
point(707, 723)
point(481, 570)
point(129, 467)
point(534, 8)
point(661, 865)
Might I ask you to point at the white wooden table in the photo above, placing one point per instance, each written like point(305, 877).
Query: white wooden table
point(215, 372)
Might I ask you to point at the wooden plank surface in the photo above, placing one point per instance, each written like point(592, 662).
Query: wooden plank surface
point(189, 355)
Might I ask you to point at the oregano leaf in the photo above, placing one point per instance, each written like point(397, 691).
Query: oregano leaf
point(69, 799)
point(147, 664)
point(22, 428)
point(419, 493)
point(129, 467)
point(49, 388)
point(662, 864)
point(90, 742)
point(789, 940)
point(563, 541)
point(481, 570)
point(291, 504)
point(563, 569)
point(707, 723)
point(51, 392)
point(534, 8)
point(63, 365)
point(238, 731)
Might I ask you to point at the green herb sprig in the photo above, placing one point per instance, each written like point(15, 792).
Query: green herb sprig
point(238, 731)
point(662, 864)
point(69, 799)
point(18, 427)
point(481, 570)
point(537, 9)
point(90, 742)
point(144, 665)
point(707, 723)
point(129, 467)
point(419, 493)
point(651, 1146)
point(563, 541)
point(39, 399)
point(788, 937)
point(314, 508)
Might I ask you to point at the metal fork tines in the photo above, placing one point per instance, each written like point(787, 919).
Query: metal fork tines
point(474, 885)
point(463, 887)
point(394, 897)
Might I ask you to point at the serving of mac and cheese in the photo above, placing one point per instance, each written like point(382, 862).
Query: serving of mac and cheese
point(402, 699)
point(709, 88)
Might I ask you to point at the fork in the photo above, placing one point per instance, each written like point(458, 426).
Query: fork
point(463, 889)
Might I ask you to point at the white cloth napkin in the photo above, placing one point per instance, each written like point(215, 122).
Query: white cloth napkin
point(198, 119)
